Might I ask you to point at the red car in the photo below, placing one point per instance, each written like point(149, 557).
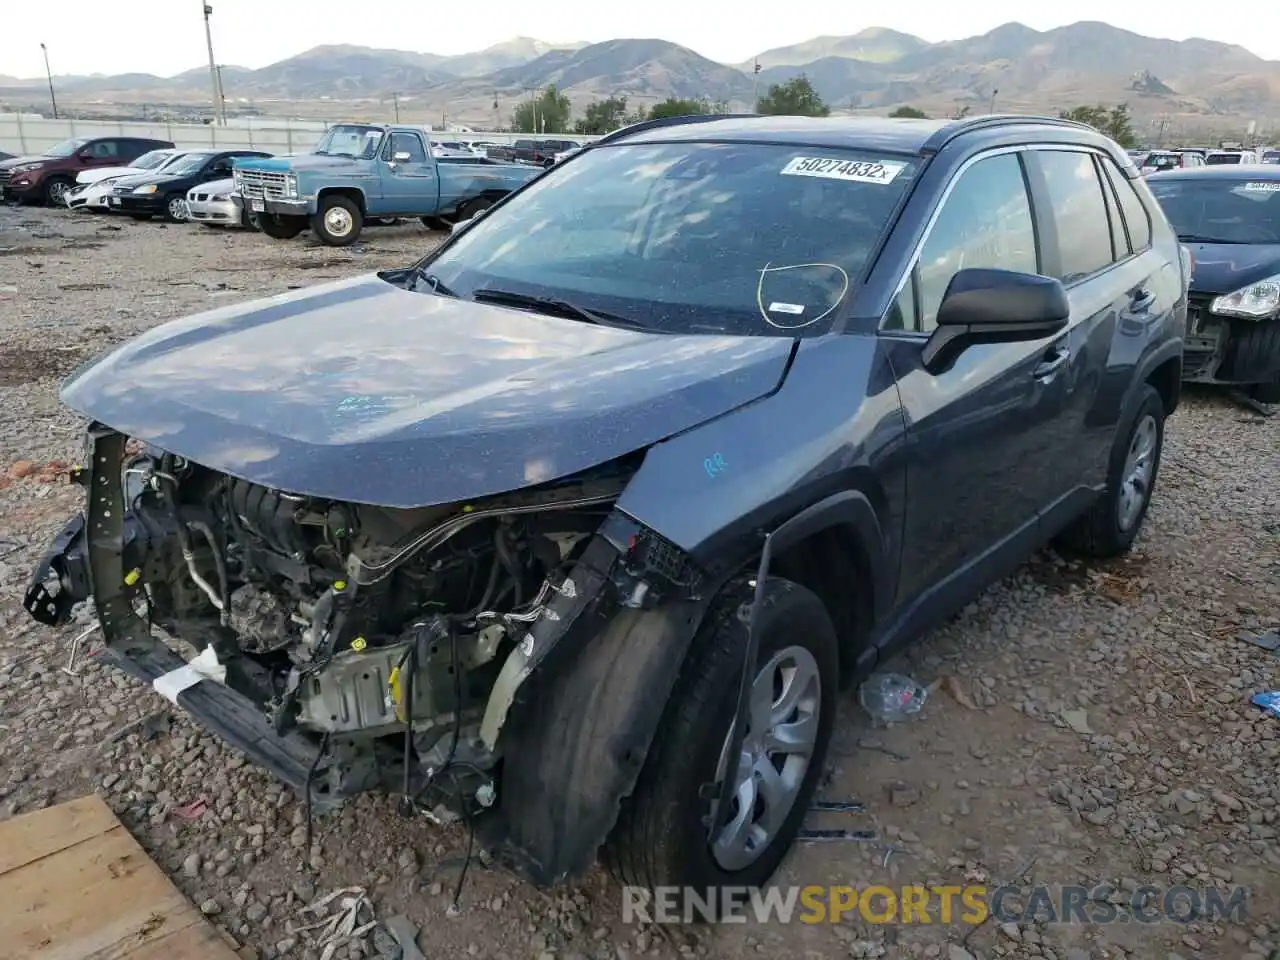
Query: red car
point(48, 176)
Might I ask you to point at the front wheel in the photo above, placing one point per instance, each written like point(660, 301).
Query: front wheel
point(338, 221)
point(1114, 520)
point(175, 209)
point(278, 227)
point(661, 838)
point(56, 190)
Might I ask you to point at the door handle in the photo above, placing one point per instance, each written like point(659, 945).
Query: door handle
point(1052, 363)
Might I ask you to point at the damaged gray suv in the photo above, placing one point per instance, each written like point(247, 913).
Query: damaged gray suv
point(577, 526)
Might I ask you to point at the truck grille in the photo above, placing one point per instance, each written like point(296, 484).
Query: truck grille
point(262, 185)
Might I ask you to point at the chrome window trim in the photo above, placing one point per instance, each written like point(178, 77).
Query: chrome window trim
point(914, 259)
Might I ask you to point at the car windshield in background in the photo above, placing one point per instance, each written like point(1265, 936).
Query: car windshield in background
point(1161, 161)
point(747, 238)
point(350, 140)
point(1271, 156)
point(66, 148)
point(152, 160)
point(1218, 159)
point(188, 164)
point(1221, 211)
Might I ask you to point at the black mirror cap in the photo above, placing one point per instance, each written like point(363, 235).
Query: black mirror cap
point(985, 305)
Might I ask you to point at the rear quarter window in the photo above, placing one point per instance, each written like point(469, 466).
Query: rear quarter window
point(1136, 219)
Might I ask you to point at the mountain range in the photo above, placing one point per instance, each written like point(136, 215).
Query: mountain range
point(1012, 67)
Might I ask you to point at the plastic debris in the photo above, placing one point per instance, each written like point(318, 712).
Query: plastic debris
point(1268, 701)
point(891, 697)
point(1267, 641)
point(352, 921)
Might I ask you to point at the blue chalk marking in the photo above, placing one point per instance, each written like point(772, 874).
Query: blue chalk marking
point(715, 465)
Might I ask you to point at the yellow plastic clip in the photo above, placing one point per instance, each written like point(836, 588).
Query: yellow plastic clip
point(339, 585)
point(393, 685)
point(132, 577)
point(358, 644)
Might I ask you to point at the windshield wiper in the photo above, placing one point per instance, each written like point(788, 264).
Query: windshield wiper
point(1200, 238)
point(432, 281)
point(551, 305)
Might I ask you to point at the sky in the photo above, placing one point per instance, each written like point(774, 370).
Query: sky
point(167, 36)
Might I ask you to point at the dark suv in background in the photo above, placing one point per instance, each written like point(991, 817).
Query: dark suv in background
point(48, 177)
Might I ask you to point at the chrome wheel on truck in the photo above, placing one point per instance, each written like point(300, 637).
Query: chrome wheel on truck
point(338, 221)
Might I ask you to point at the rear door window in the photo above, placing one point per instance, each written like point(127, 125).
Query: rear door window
point(1136, 219)
point(1079, 213)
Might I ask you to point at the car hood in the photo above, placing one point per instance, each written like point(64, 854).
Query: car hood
point(360, 390)
point(1226, 267)
point(15, 161)
point(94, 174)
point(215, 186)
point(296, 162)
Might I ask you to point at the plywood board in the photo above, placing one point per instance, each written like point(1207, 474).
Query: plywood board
point(76, 886)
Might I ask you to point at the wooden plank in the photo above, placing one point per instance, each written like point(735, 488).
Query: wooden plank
point(38, 834)
point(99, 899)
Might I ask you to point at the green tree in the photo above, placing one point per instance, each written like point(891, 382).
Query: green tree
point(795, 98)
point(909, 113)
point(547, 114)
point(603, 116)
point(675, 107)
point(1113, 122)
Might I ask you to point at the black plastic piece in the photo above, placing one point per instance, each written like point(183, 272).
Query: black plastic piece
point(66, 563)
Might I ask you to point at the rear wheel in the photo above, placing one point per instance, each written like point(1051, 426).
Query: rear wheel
point(338, 221)
point(661, 838)
point(280, 228)
point(436, 223)
point(473, 207)
point(1113, 522)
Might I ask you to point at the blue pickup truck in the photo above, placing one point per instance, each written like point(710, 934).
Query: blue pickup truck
point(359, 172)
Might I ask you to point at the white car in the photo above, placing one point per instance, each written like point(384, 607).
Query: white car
point(152, 160)
point(211, 204)
point(90, 196)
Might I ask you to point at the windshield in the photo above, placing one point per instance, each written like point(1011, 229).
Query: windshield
point(1161, 161)
point(189, 163)
point(350, 140)
point(1223, 211)
point(747, 239)
point(152, 159)
point(66, 148)
point(1271, 156)
point(1221, 158)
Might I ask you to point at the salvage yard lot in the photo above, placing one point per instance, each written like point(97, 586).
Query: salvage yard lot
point(1091, 726)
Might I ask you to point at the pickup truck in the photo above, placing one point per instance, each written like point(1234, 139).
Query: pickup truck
point(360, 172)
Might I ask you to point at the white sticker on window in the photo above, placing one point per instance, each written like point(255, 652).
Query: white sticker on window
point(857, 171)
point(1263, 186)
point(795, 309)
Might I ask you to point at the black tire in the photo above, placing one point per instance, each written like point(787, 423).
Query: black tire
point(661, 835)
point(436, 223)
point(175, 208)
point(247, 219)
point(337, 221)
point(55, 189)
point(1100, 532)
point(280, 228)
point(1266, 392)
point(473, 207)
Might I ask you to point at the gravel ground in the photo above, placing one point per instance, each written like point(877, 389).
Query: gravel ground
point(1092, 724)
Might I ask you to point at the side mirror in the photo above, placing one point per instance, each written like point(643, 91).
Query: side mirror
point(994, 306)
point(401, 157)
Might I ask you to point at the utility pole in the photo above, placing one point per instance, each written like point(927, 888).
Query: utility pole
point(213, 70)
point(755, 87)
point(395, 100)
point(992, 108)
point(48, 73)
point(222, 97)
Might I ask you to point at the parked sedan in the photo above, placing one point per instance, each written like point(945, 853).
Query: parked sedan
point(210, 204)
point(164, 193)
point(151, 160)
point(1229, 218)
point(92, 190)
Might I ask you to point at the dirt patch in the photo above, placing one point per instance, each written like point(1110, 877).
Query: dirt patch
point(29, 364)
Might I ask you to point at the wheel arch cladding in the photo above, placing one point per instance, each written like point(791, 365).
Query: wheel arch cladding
point(1166, 377)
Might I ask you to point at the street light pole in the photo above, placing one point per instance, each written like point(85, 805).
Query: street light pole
point(213, 69)
point(222, 97)
point(755, 88)
point(395, 99)
point(48, 73)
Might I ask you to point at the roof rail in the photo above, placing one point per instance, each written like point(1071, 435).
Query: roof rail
point(644, 125)
point(969, 124)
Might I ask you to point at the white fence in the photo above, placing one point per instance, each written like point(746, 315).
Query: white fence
point(21, 134)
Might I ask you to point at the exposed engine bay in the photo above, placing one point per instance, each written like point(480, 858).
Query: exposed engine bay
point(357, 623)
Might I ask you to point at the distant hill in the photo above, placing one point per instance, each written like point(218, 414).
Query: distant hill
point(1012, 67)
